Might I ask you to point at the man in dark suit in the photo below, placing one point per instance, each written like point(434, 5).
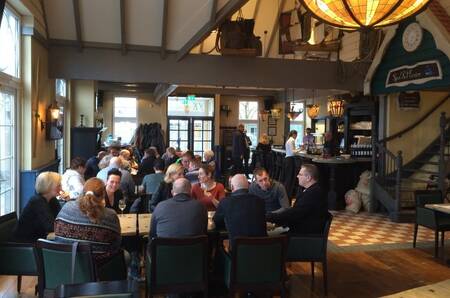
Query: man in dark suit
point(310, 211)
point(242, 213)
point(238, 150)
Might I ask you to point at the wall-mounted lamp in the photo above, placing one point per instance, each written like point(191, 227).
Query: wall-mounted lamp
point(226, 109)
point(292, 114)
point(52, 115)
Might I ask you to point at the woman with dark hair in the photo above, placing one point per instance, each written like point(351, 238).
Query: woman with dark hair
point(113, 193)
point(87, 220)
point(208, 191)
point(289, 163)
point(38, 216)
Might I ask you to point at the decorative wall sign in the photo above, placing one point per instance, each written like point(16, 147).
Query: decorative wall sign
point(408, 101)
point(271, 131)
point(272, 122)
point(417, 74)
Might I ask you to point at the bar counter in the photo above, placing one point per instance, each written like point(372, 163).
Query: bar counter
point(337, 175)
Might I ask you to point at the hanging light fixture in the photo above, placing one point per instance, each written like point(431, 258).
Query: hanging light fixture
point(313, 109)
point(292, 114)
point(336, 107)
point(363, 14)
point(263, 115)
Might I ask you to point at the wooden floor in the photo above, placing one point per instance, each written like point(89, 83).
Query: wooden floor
point(352, 274)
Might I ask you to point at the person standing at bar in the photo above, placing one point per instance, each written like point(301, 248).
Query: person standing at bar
point(238, 149)
point(289, 163)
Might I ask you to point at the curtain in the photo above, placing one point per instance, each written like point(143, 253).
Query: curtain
point(2, 6)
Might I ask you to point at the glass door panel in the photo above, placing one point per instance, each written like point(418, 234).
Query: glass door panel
point(179, 134)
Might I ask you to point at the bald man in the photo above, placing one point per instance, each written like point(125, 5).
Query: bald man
point(179, 216)
point(241, 213)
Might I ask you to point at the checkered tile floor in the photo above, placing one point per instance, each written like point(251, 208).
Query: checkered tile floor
point(348, 229)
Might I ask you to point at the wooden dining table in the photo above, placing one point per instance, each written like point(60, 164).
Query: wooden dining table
point(444, 208)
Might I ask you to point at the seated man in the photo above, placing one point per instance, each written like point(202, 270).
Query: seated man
point(242, 213)
point(180, 216)
point(273, 192)
point(192, 173)
point(310, 211)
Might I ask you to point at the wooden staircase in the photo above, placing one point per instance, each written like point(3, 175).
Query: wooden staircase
point(394, 183)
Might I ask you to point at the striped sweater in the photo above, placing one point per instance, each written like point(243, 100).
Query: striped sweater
point(73, 225)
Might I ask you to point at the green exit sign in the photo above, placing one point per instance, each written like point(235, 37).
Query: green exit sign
point(191, 97)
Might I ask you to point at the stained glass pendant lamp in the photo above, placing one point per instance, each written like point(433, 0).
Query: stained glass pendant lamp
point(363, 14)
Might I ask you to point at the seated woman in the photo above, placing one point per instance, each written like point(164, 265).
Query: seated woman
point(113, 192)
point(38, 216)
point(164, 191)
point(169, 157)
point(209, 159)
point(207, 190)
point(87, 220)
point(73, 180)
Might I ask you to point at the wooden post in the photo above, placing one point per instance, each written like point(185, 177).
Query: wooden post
point(373, 204)
point(442, 164)
point(398, 180)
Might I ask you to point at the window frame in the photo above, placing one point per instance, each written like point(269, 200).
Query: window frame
point(5, 75)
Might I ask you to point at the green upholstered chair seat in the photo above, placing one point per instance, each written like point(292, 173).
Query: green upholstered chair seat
point(54, 262)
point(177, 265)
point(109, 289)
point(432, 219)
point(256, 264)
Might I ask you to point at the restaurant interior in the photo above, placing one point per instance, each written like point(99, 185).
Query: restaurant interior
point(358, 89)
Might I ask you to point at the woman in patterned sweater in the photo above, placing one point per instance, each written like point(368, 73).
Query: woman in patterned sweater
point(87, 220)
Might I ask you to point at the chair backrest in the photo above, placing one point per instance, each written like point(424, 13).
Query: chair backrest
point(310, 247)
point(258, 262)
point(54, 262)
point(7, 224)
point(178, 264)
point(17, 259)
point(110, 289)
point(423, 197)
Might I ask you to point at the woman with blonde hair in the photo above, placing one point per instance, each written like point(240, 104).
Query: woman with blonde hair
point(38, 216)
point(164, 191)
point(87, 220)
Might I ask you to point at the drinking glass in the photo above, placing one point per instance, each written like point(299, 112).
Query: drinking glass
point(122, 205)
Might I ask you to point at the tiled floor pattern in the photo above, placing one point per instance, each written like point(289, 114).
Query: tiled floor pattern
point(348, 229)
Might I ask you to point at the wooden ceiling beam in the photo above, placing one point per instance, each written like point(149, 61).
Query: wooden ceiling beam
point(76, 14)
point(163, 90)
point(164, 29)
point(123, 36)
point(275, 27)
point(227, 11)
point(44, 15)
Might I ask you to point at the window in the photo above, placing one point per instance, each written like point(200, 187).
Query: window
point(248, 115)
point(61, 96)
point(7, 150)
point(190, 105)
point(9, 43)
point(125, 113)
point(298, 123)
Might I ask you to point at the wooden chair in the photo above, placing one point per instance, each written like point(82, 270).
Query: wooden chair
point(256, 264)
point(60, 263)
point(105, 289)
point(177, 265)
point(15, 258)
point(434, 220)
point(311, 248)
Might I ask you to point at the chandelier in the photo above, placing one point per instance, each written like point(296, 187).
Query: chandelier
point(336, 107)
point(313, 111)
point(365, 14)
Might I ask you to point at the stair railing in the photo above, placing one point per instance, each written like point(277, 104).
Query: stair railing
point(389, 170)
point(444, 151)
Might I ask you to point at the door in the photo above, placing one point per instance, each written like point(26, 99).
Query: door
point(191, 133)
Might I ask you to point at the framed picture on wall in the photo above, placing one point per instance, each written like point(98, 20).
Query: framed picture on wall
point(271, 131)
